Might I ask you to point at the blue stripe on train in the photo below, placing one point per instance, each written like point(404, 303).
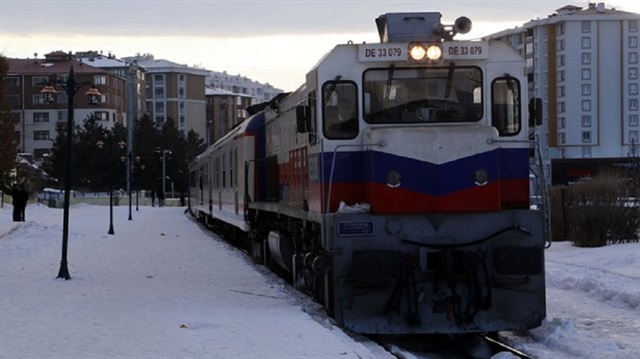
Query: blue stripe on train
point(425, 177)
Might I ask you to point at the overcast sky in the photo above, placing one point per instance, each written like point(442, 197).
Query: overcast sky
point(268, 41)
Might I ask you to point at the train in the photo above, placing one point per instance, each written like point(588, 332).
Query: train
point(393, 185)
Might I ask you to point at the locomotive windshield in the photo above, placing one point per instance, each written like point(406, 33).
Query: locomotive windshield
point(417, 95)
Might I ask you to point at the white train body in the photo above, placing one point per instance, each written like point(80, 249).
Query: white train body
point(393, 189)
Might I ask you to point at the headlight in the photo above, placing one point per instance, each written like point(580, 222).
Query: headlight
point(417, 53)
point(434, 53)
point(425, 53)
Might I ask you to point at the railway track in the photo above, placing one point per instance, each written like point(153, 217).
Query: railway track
point(449, 347)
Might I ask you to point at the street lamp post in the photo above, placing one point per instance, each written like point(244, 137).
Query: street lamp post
point(129, 164)
point(164, 168)
point(111, 150)
point(70, 87)
point(140, 169)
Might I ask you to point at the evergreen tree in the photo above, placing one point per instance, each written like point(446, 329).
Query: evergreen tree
point(8, 142)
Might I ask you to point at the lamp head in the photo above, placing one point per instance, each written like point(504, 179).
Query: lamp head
point(94, 96)
point(48, 92)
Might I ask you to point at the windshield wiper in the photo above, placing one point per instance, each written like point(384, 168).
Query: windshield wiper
point(332, 89)
point(387, 92)
point(447, 92)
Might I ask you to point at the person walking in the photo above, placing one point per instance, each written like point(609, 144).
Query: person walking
point(153, 197)
point(19, 199)
point(160, 197)
point(24, 198)
point(15, 200)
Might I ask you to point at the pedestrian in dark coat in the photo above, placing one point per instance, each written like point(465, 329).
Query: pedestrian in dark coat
point(15, 200)
point(24, 198)
point(153, 197)
point(160, 197)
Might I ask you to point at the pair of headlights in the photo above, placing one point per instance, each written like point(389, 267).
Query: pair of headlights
point(425, 53)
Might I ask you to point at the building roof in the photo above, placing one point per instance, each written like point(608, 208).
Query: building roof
point(48, 67)
point(212, 91)
point(569, 13)
point(149, 63)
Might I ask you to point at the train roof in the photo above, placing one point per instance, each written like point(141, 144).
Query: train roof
point(249, 126)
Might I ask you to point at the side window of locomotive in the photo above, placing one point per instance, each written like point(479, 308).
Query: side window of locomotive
point(340, 110)
point(505, 106)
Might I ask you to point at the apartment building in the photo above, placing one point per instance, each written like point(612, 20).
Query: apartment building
point(242, 85)
point(583, 64)
point(225, 110)
point(174, 91)
point(134, 74)
point(37, 120)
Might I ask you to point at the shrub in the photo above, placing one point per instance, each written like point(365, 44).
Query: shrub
point(599, 211)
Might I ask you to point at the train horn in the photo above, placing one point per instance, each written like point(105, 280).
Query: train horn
point(462, 25)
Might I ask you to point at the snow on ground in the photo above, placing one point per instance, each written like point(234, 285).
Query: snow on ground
point(163, 287)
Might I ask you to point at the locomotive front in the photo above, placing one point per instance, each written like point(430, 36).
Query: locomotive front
point(412, 154)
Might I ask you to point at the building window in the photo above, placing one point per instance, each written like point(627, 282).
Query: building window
point(633, 73)
point(562, 138)
point(40, 135)
point(586, 27)
point(586, 136)
point(586, 89)
point(586, 105)
point(633, 57)
point(633, 89)
point(101, 115)
point(633, 137)
point(182, 78)
point(561, 44)
point(181, 92)
point(158, 80)
point(633, 104)
point(561, 107)
point(586, 42)
point(633, 120)
point(633, 42)
point(41, 117)
point(12, 81)
point(561, 60)
point(62, 97)
point(159, 119)
point(586, 58)
point(100, 80)
point(561, 75)
point(158, 92)
point(561, 91)
point(38, 99)
point(39, 81)
point(159, 107)
point(586, 151)
point(586, 74)
point(562, 122)
point(586, 121)
point(62, 116)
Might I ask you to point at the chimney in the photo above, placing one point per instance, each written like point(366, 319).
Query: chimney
point(600, 7)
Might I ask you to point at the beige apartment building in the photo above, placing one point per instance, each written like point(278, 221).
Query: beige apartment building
point(176, 92)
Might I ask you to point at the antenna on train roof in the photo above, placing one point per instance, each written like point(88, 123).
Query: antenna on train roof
point(418, 26)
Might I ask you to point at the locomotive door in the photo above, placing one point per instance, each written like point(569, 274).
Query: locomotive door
point(505, 107)
point(504, 98)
